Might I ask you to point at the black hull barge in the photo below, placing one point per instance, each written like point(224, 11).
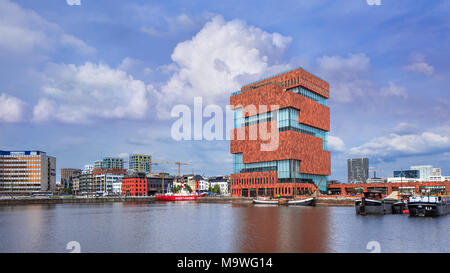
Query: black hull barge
point(430, 206)
point(374, 203)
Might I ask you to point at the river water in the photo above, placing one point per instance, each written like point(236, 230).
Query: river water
point(206, 227)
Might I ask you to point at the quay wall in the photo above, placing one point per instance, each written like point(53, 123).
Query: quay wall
point(63, 200)
point(320, 201)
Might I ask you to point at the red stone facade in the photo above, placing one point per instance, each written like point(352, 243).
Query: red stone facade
point(292, 145)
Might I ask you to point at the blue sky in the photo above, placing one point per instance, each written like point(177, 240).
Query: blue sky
point(99, 79)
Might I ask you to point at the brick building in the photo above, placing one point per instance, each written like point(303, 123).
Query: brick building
point(135, 184)
point(295, 105)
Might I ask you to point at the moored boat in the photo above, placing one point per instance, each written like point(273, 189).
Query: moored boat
point(301, 202)
point(428, 205)
point(374, 203)
point(266, 202)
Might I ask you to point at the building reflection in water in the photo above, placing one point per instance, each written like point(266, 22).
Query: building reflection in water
point(282, 229)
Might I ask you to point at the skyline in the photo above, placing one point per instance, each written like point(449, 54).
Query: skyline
point(83, 82)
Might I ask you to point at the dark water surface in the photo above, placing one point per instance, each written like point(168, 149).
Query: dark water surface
point(204, 227)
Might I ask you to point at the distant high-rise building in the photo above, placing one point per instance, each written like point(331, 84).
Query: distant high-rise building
point(139, 163)
point(22, 172)
point(425, 171)
point(358, 170)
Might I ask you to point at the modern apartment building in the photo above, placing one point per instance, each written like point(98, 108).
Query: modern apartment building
point(358, 170)
point(22, 172)
point(289, 155)
point(112, 163)
point(86, 180)
point(139, 163)
point(67, 176)
point(103, 179)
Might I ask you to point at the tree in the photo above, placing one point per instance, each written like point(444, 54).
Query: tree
point(175, 189)
point(216, 189)
point(188, 188)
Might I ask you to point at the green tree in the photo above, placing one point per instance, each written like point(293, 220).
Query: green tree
point(175, 189)
point(216, 189)
point(188, 188)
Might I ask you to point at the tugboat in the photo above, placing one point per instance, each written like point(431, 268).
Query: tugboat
point(374, 203)
point(428, 205)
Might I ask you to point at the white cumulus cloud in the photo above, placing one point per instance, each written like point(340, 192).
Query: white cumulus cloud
point(11, 108)
point(335, 144)
point(80, 94)
point(395, 145)
point(218, 60)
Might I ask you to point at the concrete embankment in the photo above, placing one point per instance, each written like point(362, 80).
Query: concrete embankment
point(242, 200)
point(63, 200)
point(335, 201)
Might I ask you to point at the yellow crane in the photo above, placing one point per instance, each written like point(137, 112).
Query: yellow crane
point(158, 162)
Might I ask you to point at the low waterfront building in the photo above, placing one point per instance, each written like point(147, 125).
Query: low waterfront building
point(76, 184)
point(377, 180)
point(22, 172)
point(135, 184)
point(159, 183)
point(222, 182)
point(401, 179)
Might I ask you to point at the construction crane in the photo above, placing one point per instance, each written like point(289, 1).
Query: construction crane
point(168, 162)
point(158, 162)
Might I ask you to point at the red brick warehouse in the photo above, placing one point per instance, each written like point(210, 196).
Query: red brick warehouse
point(301, 162)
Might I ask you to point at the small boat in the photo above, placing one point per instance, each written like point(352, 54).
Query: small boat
point(301, 202)
point(428, 205)
point(266, 202)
